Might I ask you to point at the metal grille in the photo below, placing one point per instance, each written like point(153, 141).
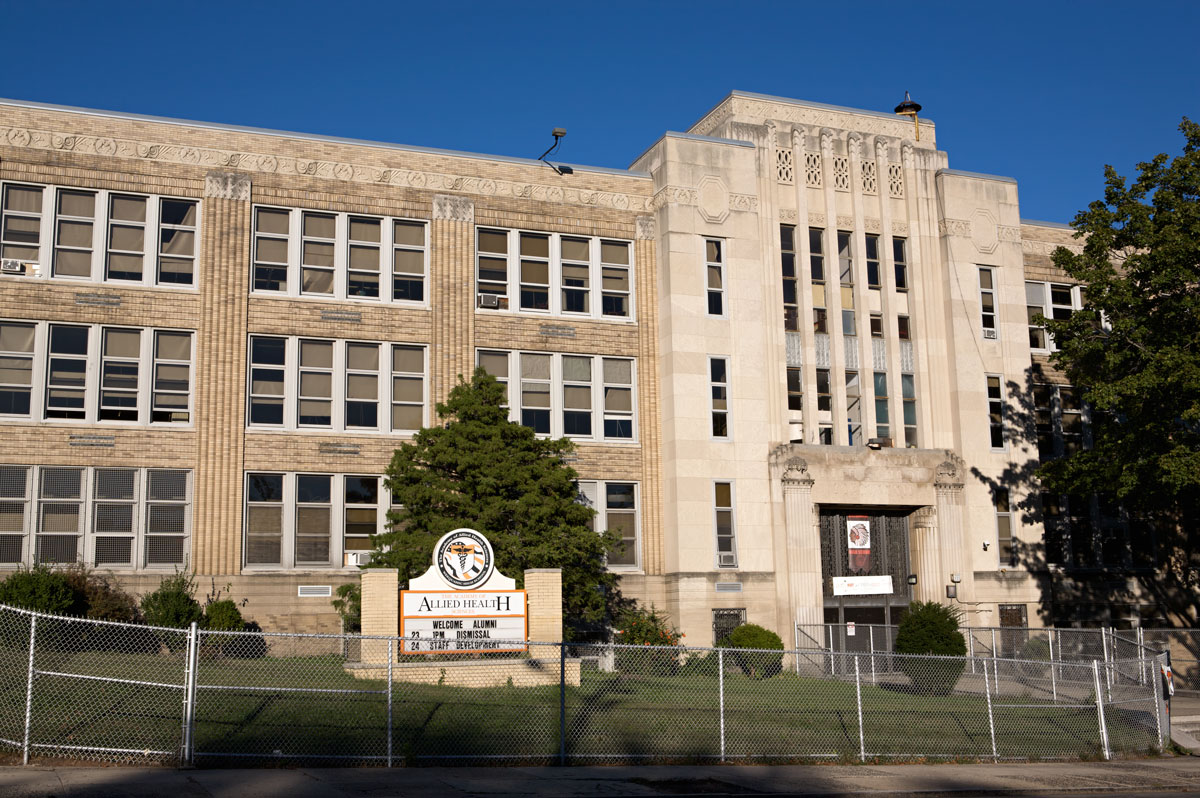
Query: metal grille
point(168, 485)
point(114, 551)
point(10, 546)
point(13, 480)
point(166, 516)
point(57, 548)
point(164, 550)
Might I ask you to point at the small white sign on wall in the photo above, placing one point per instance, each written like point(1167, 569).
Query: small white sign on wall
point(862, 585)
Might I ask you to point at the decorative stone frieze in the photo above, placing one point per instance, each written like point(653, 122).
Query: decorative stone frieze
point(227, 185)
point(450, 208)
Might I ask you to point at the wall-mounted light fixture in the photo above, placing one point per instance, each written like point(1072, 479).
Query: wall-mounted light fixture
point(912, 579)
point(956, 578)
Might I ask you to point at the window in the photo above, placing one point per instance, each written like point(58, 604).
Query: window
point(882, 427)
point(310, 383)
point(616, 506)
point(311, 520)
point(825, 434)
point(845, 258)
point(551, 273)
point(791, 309)
point(1052, 301)
point(987, 302)
point(95, 374)
point(854, 409)
point(908, 395)
point(876, 325)
point(101, 236)
point(339, 255)
point(1004, 533)
point(820, 320)
point(585, 397)
point(725, 620)
point(848, 326)
point(795, 389)
point(816, 256)
point(995, 399)
point(824, 394)
point(718, 368)
point(715, 269)
point(724, 524)
point(872, 261)
point(120, 518)
point(902, 331)
point(1059, 420)
point(900, 262)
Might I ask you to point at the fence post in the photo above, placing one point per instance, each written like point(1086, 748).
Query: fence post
point(1158, 706)
point(971, 647)
point(562, 702)
point(721, 696)
point(29, 688)
point(991, 718)
point(1053, 679)
point(391, 644)
point(871, 630)
point(1100, 709)
point(993, 644)
point(187, 755)
point(862, 740)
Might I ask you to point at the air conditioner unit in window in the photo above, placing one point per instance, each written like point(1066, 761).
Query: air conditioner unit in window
point(488, 300)
point(989, 333)
point(358, 558)
point(727, 560)
point(13, 266)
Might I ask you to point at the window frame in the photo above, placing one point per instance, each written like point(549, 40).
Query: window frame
point(715, 294)
point(988, 319)
point(716, 386)
point(996, 411)
point(1002, 497)
point(599, 503)
point(731, 508)
point(1049, 309)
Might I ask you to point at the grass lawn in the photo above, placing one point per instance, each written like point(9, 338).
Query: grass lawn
point(610, 716)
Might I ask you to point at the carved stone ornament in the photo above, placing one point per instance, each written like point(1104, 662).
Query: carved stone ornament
point(983, 231)
point(796, 471)
point(907, 157)
point(713, 199)
point(854, 145)
point(954, 227)
point(1047, 247)
point(1009, 234)
point(788, 215)
point(750, 108)
point(827, 143)
point(646, 228)
point(881, 150)
point(673, 195)
point(798, 138)
point(227, 185)
point(872, 225)
point(899, 228)
point(845, 222)
point(950, 472)
point(816, 219)
point(450, 208)
point(743, 202)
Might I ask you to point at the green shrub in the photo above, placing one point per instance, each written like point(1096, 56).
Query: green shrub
point(41, 589)
point(101, 600)
point(349, 606)
point(697, 665)
point(931, 628)
point(223, 616)
point(172, 604)
point(641, 627)
point(758, 664)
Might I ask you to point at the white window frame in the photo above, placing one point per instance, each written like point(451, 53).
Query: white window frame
point(288, 517)
point(594, 494)
point(510, 300)
point(93, 372)
point(984, 324)
point(732, 508)
point(1000, 539)
point(151, 242)
point(1048, 307)
point(720, 293)
point(715, 410)
point(85, 534)
point(341, 256)
point(599, 411)
point(340, 375)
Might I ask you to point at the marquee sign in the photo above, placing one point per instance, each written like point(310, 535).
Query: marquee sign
point(462, 604)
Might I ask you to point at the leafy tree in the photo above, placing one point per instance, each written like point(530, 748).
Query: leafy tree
point(479, 470)
point(1134, 348)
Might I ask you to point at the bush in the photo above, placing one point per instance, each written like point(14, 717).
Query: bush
point(349, 606)
point(755, 664)
point(641, 627)
point(172, 605)
point(930, 628)
point(102, 600)
point(41, 589)
point(223, 616)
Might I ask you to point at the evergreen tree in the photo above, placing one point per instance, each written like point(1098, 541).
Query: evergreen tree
point(482, 471)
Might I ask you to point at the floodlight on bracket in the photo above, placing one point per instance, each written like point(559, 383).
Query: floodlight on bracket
point(558, 133)
point(908, 107)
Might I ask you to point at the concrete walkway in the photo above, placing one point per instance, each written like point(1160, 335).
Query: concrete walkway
point(1167, 776)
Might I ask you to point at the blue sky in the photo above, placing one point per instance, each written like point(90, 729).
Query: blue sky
point(1045, 92)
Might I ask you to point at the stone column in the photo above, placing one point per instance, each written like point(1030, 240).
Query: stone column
point(380, 610)
point(649, 395)
point(543, 592)
point(220, 358)
point(948, 487)
point(805, 597)
point(926, 556)
point(452, 293)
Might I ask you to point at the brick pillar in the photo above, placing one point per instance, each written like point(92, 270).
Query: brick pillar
point(543, 588)
point(452, 293)
point(220, 359)
point(649, 398)
point(380, 610)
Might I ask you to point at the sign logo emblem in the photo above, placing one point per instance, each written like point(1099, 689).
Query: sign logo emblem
point(464, 559)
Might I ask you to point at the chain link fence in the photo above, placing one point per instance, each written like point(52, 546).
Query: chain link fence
point(121, 693)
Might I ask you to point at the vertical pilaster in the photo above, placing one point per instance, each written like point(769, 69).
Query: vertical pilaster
point(833, 297)
point(220, 359)
point(649, 395)
point(806, 605)
point(452, 264)
point(380, 610)
point(926, 555)
point(948, 488)
point(543, 592)
point(808, 401)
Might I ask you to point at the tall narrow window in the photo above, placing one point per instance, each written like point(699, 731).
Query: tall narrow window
point(166, 516)
point(614, 278)
point(60, 513)
point(66, 377)
point(271, 230)
point(900, 262)
point(362, 385)
point(825, 434)
point(848, 325)
point(882, 427)
point(363, 258)
point(172, 377)
point(114, 501)
point(719, 375)
point(492, 283)
point(14, 507)
point(576, 275)
point(908, 394)
point(854, 409)
point(16, 368)
point(1004, 536)
point(876, 325)
point(791, 306)
point(1072, 419)
point(820, 320)
point(315, 389)
point(816, 256)
point(362, 512)
point(21, 223)
point(176, 242)
point(1062, 302)
point(314, 518)
point(496, 364)
point(264, 519)
point(987, 301)
point(408, 387)
point(618, 398)
point(872, 261)
point(620, 516)
point(795, 389)
point(995, 411)
point(535, 392)
point(408, 261)
point(902, 329)
point(1043, 419)
point(318, 242)
point(824, 394)
point(845, 258)
point(120, 356)
point(724, 523)
point(126, 237)
point(75, 218)
point(715, 268)
point(535, 271)
point(577, 395)
point(268, 358)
